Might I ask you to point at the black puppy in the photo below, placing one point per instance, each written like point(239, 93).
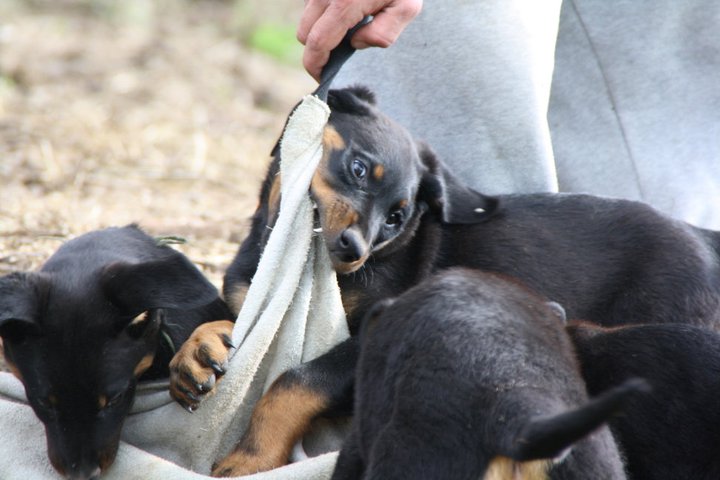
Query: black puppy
point(469, 376)
point(391, 214)
point(107, 308)
point(675, 433)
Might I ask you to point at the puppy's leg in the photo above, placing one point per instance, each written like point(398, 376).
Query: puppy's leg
point(283, 415)
point(350, 465)
point(200, 362)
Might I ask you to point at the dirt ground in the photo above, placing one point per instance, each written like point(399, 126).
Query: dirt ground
point(156, 114)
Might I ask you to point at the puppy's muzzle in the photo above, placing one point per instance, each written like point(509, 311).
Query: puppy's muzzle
point(350, 246)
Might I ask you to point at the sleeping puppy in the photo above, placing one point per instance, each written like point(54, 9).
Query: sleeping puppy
point(471, 376)
point(675, 433)
point(108, 308)
point(391, 213)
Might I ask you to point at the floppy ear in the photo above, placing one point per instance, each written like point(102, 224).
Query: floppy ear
point(171, 282)
point(447, 196)
point(370, 319)
point(19, 305)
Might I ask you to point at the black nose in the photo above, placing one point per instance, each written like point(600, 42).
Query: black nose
point(87, 473)
point(351, 245)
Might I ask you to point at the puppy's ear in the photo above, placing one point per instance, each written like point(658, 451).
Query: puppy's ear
point(171, 282)
point(20, 298)
point(371, 317)
point(447, 196)
point(357, 100)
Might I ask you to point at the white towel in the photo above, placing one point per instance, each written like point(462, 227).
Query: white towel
point(292, 314)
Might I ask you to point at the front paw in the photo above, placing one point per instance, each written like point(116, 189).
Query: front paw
point(241, 462)
point(200, 362)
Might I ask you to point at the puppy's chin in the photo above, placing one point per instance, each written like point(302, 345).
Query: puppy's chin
point(344, 268)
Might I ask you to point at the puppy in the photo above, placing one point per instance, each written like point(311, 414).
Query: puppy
point(675, 433)
point(391, 214)
point(471, 376)
point(108, 308)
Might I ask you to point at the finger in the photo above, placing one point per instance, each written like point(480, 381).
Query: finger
point(387, 25)
point(326, 34)
point(312, 11)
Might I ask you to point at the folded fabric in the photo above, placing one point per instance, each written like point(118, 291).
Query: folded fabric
point(292, 314)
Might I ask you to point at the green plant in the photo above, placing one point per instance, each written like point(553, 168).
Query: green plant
point(277, 41)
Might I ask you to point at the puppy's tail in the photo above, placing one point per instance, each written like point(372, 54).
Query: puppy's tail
point(547, 437)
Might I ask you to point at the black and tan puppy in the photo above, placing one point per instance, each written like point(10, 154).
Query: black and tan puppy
point(673, 434)
point(391, 214)
point(470, 376)
point(108, 308)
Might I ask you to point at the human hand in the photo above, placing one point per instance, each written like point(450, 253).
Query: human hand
point(325, 22)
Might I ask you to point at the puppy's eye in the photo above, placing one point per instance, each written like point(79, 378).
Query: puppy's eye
point(359, 169)
point(114, 400)
point(394, 219)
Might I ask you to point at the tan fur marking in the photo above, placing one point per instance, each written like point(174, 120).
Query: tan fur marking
point(102, 401)
point(345, 268)
point(106, 458)
point(208, 335)
point(280, 419)
point(144, 364)
point(350, 301)
point(336, 212)
point(12, 367)
point(504, 468)
point(187, 359)
point(140, 318)
point(332, 140)
point(378, 172)
point(236, 297)
point(403, 203)
point(274, 200)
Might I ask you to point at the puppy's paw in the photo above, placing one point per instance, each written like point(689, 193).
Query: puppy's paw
point(241, 462)
point(201, 361)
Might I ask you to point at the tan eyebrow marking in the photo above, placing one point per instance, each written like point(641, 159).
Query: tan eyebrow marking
point(332, 140)
point(378, 172)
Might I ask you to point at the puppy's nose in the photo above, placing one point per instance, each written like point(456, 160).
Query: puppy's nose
point(87, 473)
point(351, 245)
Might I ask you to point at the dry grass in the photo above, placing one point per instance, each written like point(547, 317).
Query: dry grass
point(155, 115)
point(151, 112)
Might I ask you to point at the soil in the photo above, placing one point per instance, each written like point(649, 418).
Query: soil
point(157, 115)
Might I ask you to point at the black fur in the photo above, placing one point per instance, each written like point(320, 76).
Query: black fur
point(610, 261)
point(468, 367)
point(673, 434)
point(75, 333)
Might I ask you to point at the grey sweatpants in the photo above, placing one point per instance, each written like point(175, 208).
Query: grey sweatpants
point(631, 109)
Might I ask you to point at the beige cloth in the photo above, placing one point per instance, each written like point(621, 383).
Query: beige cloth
point(292, 314)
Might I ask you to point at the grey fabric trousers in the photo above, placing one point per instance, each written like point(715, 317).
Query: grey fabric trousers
point(612, 97)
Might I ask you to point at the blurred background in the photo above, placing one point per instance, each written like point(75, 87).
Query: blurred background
point(160, 112)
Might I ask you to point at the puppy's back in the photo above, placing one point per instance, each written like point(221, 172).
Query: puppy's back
point(675, 432)
point(476, 363)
